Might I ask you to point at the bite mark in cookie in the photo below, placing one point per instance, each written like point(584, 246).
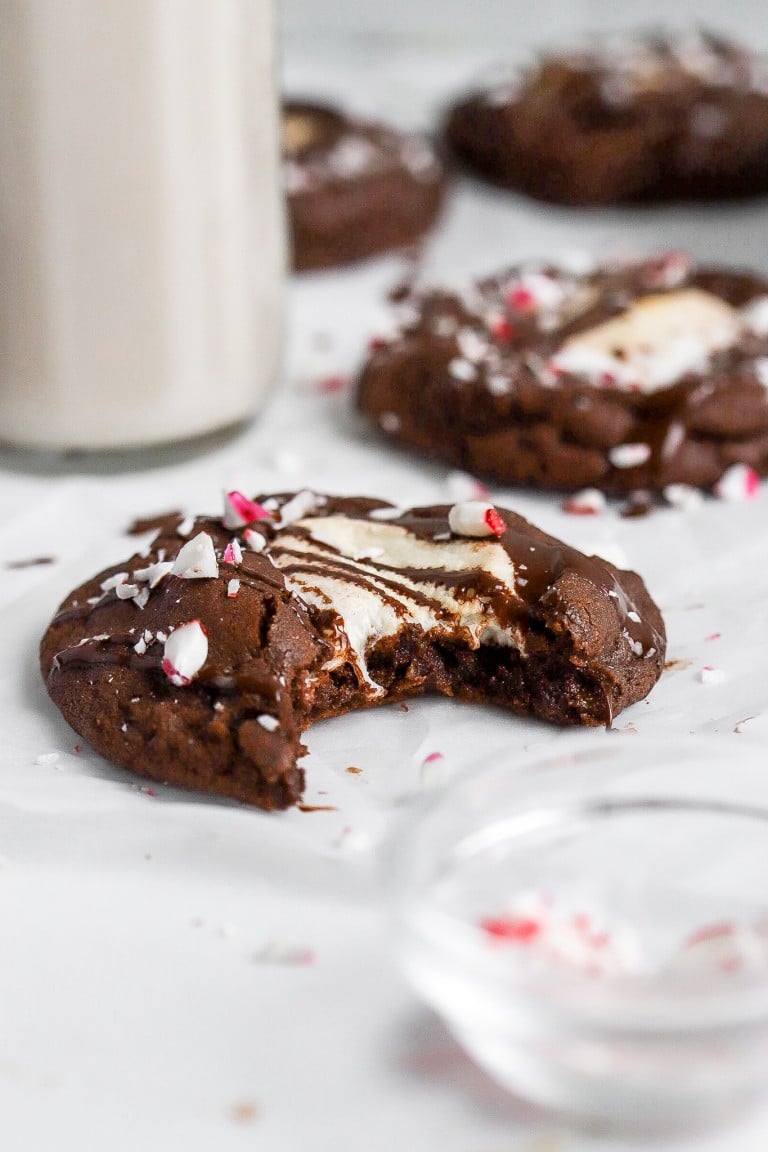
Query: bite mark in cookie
point(344, 604)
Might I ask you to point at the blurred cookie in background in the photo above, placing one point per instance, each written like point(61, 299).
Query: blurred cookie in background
point(355, 188)
point(634, 375)
point(636, 117)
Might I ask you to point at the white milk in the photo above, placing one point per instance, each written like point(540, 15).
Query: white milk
point(142, 242)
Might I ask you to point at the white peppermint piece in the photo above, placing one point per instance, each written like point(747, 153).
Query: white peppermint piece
point(471, 346)
point(254, 540)
point(47, 758)
point(475, 518)
point(587, 502)
point(140, 646)
point(498, 384)
point(385, 513)
point(657, 341)
point(298, 506)
point(444, 326)
point(154, 573)
point(708, 121)
point(629, 455)
point(185, 653)
point(196, 559)
point(754, 316)
point(233, 587)
point(683, 496)
point(126, 591)
point(141, 598)
point(710, 675)
point(389, 422)
point(113, 582)
point(761, 370)
point(184, 528)
point(548, 292)
point(462, 370)
point(269, 723)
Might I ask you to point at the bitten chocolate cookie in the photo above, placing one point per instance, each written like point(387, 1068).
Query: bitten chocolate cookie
point(355, 188)
point(637, 375)
point(200, 661)
point(646, 117)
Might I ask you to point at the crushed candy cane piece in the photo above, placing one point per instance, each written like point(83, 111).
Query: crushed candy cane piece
point(388, 512)
point(297, 507)
point(587, 502)
point(538, 928)
point(629, 455)
point(433, 770)
point(519, 929)
point(273, 953)
point(761, 370)
point(140, 646)
point(185, 526)
point(196, 559)
point(254, 540)
point(126, 591)
point(683, 496)
point(737, 484)
point(713, 636)
point(185, 653)
point(327, 385)
point(47, 758)
point(233, 587)
point(233, 553)
point(471, 346)
point(721, 948)
point(475, 518)
point(154, 573)
point(269, 723)
point(462, 370)
point(113, 582)
point(668, 270)
point(754, 316)
point(389, 422)
point(239, 510)
point(710, 675)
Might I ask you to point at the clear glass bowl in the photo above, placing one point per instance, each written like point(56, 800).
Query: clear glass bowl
point(594, 928)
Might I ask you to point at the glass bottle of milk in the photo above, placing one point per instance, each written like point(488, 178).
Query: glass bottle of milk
point(142, 244)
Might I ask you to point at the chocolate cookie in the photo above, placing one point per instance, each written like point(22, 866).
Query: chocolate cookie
point(200, 661)
point(643, 117)
point(637, 375)
point(355, 188)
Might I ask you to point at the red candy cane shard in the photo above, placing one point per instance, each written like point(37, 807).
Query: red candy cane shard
point(475, 518)
point(239, 510)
